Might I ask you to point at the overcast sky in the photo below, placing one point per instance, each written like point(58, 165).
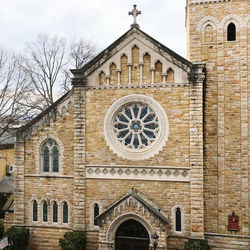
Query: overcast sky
point(98, 21)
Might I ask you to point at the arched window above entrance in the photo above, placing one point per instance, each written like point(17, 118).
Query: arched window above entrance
point(131, 235)
point(132, 228)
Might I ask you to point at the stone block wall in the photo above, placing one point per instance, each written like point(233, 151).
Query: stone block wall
point(226, 109)
point(175, 102)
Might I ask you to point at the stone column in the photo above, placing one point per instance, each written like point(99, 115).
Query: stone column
point(19, 180)
point(164, 77)
point(79, 92)
point(118, 76)
point(141, 75)
point(129, 73)
point(152, 75)
point(196, 78)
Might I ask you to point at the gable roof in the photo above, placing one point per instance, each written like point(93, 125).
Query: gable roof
point(143, 200)
point(106, 53)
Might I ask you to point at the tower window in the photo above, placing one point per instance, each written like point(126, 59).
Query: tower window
point(96, 213)
point(178, 219)
point(231, 32)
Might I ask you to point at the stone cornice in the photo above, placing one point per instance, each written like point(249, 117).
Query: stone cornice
point(192, 2)
point(141, 86)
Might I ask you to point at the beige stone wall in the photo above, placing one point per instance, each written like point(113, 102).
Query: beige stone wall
point(45, 238)
point(175, 102)
point(62, 129)
point(226, 167)
point(34, 185)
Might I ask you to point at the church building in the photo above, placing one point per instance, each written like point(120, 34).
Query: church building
point(146, 143)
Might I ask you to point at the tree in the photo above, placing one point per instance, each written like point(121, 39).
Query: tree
point(14, 95)
point(43, 64)
point(47, 61)
point(80, 52)
point(30, 82)
point(18, 237)
point(73, 241)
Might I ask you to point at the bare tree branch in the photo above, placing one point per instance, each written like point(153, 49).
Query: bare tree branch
point(14, 93)
point(43, 63)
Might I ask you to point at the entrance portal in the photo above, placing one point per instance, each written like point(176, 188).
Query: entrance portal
point(131, 235)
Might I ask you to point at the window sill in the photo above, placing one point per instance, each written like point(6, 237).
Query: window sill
point(42, 175)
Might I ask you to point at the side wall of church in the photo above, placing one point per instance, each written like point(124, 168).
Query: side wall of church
point(50, 187)
point(227, 174)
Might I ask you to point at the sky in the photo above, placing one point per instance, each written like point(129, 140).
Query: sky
point(100, 22)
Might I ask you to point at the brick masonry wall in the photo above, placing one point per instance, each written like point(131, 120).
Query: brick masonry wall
point(226, 110)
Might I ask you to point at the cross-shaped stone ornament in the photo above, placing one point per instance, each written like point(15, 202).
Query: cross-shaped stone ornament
point(134, 13)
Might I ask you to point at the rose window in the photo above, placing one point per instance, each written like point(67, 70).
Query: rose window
point(136, 126)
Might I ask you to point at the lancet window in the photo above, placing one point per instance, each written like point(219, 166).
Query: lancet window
point(50, 157)
point(65, 212)
point(34, 207)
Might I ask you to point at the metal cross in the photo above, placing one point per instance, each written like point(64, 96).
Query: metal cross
point(134, 13)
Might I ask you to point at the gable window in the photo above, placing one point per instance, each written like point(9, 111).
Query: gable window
point(231, 32)
point(178, 219)
point(45, 211)
point(96, 213)
point(34, 210)
point(55, 212)
point(50, 156)
point(65, 212)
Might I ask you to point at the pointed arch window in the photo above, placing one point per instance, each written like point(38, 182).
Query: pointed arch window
point(170, 76)
point(34, 210)
point(55, 212)
point(65, 212)
point(96, 213)
point(231, 32)
point(45, 211)
point(178, 219)
point(50, 157)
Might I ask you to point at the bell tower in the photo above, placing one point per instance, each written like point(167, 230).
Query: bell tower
point(218, 34)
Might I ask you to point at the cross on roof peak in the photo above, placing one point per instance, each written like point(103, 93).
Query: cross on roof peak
point(134, 13)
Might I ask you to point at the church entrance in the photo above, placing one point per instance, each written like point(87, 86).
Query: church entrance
point(131, 235)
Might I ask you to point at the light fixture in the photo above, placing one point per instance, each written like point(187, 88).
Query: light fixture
point(155, 238)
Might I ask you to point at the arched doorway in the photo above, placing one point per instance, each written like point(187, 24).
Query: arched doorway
point(131, 235)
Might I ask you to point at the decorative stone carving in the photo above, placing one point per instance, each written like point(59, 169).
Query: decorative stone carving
point(138, 173)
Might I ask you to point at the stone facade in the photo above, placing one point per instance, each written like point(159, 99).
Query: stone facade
point(199, 168)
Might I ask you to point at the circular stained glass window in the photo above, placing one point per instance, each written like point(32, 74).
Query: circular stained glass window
point(136, 127)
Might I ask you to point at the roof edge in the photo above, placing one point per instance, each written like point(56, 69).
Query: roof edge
point(43, 113)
